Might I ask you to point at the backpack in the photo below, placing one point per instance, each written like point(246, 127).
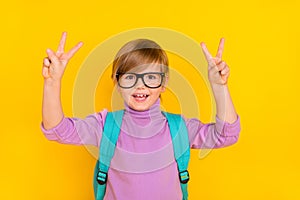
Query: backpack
point(109, 139)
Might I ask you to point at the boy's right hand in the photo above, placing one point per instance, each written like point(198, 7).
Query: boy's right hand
point(54, 65)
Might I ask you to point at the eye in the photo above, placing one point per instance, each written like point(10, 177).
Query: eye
point(152, 76)
point(129, 76)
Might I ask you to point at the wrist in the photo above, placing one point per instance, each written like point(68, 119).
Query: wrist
point(219, 91)
point(52, 83)
point(216, 86)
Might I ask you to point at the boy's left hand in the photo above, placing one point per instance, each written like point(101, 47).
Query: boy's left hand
point(218, 70)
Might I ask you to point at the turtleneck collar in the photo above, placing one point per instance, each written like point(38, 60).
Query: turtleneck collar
point(143, 123)
point(152, 113)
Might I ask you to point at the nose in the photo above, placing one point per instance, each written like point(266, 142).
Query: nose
point(139, 83)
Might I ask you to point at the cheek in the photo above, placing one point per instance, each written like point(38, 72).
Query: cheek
point(157, 92)
point(124, 93)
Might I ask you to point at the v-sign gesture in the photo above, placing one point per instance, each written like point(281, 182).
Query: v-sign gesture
point(218, 70)
point(218, 73)
point(53, 69)
point(54, 65)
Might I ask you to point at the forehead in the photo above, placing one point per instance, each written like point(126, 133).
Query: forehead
point(151, 67)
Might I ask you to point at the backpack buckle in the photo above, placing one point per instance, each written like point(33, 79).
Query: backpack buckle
point(184, 176)
point(101, 177)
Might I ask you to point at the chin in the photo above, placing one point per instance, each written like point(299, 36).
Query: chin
point(140, 108)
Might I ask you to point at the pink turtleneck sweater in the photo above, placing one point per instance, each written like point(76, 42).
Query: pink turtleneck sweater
point(143, 166)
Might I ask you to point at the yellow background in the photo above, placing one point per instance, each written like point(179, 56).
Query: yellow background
point(262, 47)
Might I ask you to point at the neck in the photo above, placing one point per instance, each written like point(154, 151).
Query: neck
point(143, 124)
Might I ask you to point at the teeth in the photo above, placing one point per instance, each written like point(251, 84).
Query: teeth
point(140, 95)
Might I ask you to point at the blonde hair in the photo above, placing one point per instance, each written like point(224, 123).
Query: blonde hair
point(136, 53)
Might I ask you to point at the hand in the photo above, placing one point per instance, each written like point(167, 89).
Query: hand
point(54, 65)
point(218, 70)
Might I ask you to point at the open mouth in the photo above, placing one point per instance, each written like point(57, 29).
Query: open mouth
point(140, 97)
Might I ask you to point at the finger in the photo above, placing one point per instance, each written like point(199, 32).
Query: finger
point(220, 48)
point(225, 79)
point(61, 46)
point(206, 52)
point(45, 72)
point(52, 56)
point(46, 62)
point(71, 53)
point(225, 71)
point(221, 65)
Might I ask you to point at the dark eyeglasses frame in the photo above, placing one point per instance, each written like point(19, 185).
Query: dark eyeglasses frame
point(142, 77)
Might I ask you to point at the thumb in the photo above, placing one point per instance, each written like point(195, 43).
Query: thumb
point(217, 60)
point(52, 56)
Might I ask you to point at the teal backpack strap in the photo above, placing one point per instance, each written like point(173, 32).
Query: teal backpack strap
point(181, 146)
point(111, 132)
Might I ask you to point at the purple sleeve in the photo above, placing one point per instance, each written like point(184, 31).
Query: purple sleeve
point(77, 131)
point(213, 135)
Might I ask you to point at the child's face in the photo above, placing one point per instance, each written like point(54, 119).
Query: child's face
point(140, 97)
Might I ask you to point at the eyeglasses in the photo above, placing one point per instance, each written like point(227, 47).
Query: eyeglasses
point(150, 80)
